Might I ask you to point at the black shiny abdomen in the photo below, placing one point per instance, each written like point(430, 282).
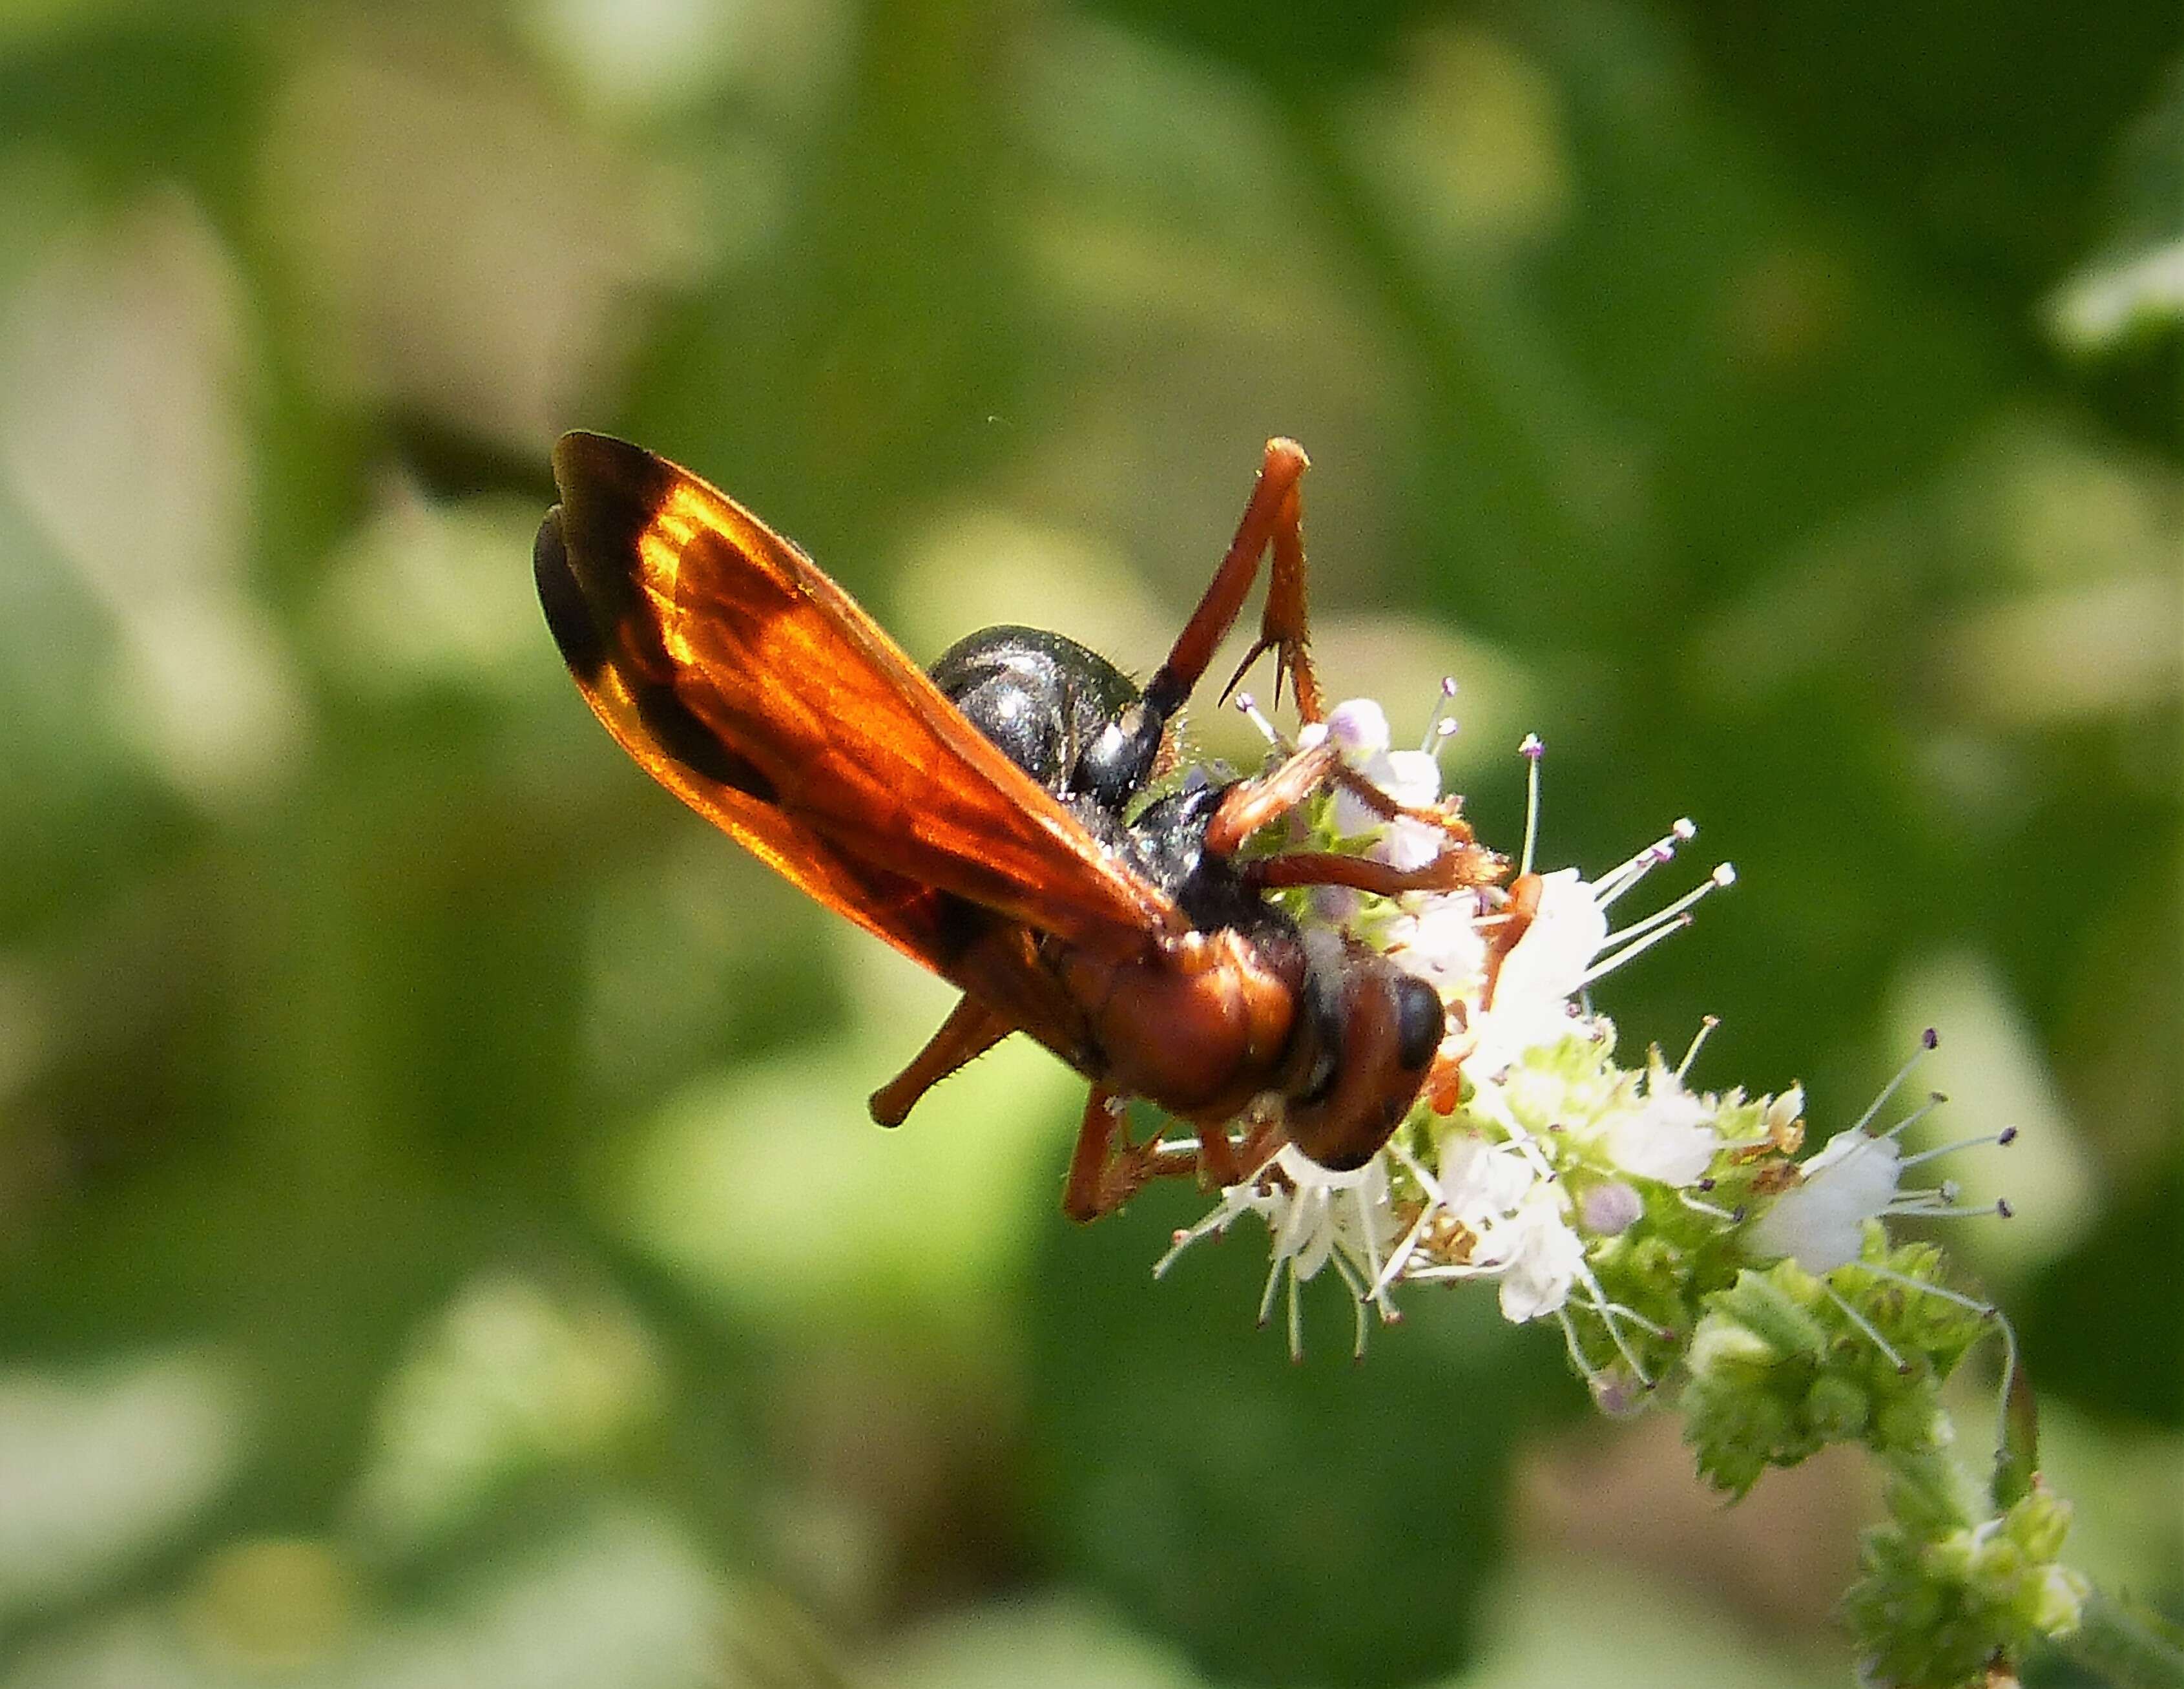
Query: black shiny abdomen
point(1059, 711)
point(1077, 724)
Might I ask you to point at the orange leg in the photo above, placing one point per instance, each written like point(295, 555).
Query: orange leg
point(1450, 871)
point(1442, 814)
point(1082, 1197)
point(970, 1031)
point(1217, 1163)
point(1103, 1176)
point(1258, 1148)
point(1273, 517)
point(1524, 903)
point(1282, 626)
point(1251, 804)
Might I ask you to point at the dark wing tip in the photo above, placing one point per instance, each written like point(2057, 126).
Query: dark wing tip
point(568, 616)
point(611, 493)
point(588, 545)
point(575, 621)
point(585, 462)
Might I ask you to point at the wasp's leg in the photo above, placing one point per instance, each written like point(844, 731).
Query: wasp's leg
point(1282, 624)
point(1104, 1175)
point(1451, 870)
point(1442, 816)
point(1516, 920)
point(1251, 804)
point(1273, 517)
point(1261, 1140)
point(970, 1031)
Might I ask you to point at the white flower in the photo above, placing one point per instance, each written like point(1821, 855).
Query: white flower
point(1567, 931)
point(1441, 944)
point(1482, 1183)
point(1820, 1224)
point(1325, 1212)
point(1670, 1137)
point(1407, 846)
point(1314, 1217)
point(1359, 728)
point(1559, 952)
point(1544, 969)
point(1517, 1220)
point(1544, 1258)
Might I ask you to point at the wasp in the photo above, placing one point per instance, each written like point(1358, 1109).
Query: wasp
point(996, 819)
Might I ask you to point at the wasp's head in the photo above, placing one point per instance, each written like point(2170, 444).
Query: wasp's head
point(1368, 1033)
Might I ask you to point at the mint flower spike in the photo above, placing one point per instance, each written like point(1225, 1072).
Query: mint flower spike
point(1850, 1188)
point(1669, 1232)
point(1945, 1599)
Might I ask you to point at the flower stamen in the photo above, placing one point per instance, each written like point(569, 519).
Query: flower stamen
point(1592, 1375)
point(1698, 1039)
point(1725, 875)
point(1934, 1101)
point(1378, 1292)
point(1734, 1217)
point(1642, 936)
point(1621, 878)
point(1928, 1041)
point(1436, 1202)
point(1440, 725)
point(1945, 1207)
point(1267, 1296)
point(1864, 1324)
point(1358, 1298)
point(2002, 1140)
point(1532, 749)
point(1248, 707)
point(1985, 1310)
point(1597, 1300)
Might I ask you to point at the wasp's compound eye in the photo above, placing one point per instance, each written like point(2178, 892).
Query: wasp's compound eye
point(1420, 1020)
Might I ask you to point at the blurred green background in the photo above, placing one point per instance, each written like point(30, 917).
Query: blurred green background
point(440, 1239)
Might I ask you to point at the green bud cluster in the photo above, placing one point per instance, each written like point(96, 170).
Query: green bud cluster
point(1942, 1597)
point(1779, 1367)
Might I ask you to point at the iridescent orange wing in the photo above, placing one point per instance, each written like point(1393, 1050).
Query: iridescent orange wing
point(758, 692)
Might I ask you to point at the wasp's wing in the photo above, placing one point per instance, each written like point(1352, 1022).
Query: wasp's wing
point(756, 690)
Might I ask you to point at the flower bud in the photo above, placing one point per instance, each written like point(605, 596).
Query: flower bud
point(1837, 1409)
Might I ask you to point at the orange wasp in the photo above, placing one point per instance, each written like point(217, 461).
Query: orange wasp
point(986, 820)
